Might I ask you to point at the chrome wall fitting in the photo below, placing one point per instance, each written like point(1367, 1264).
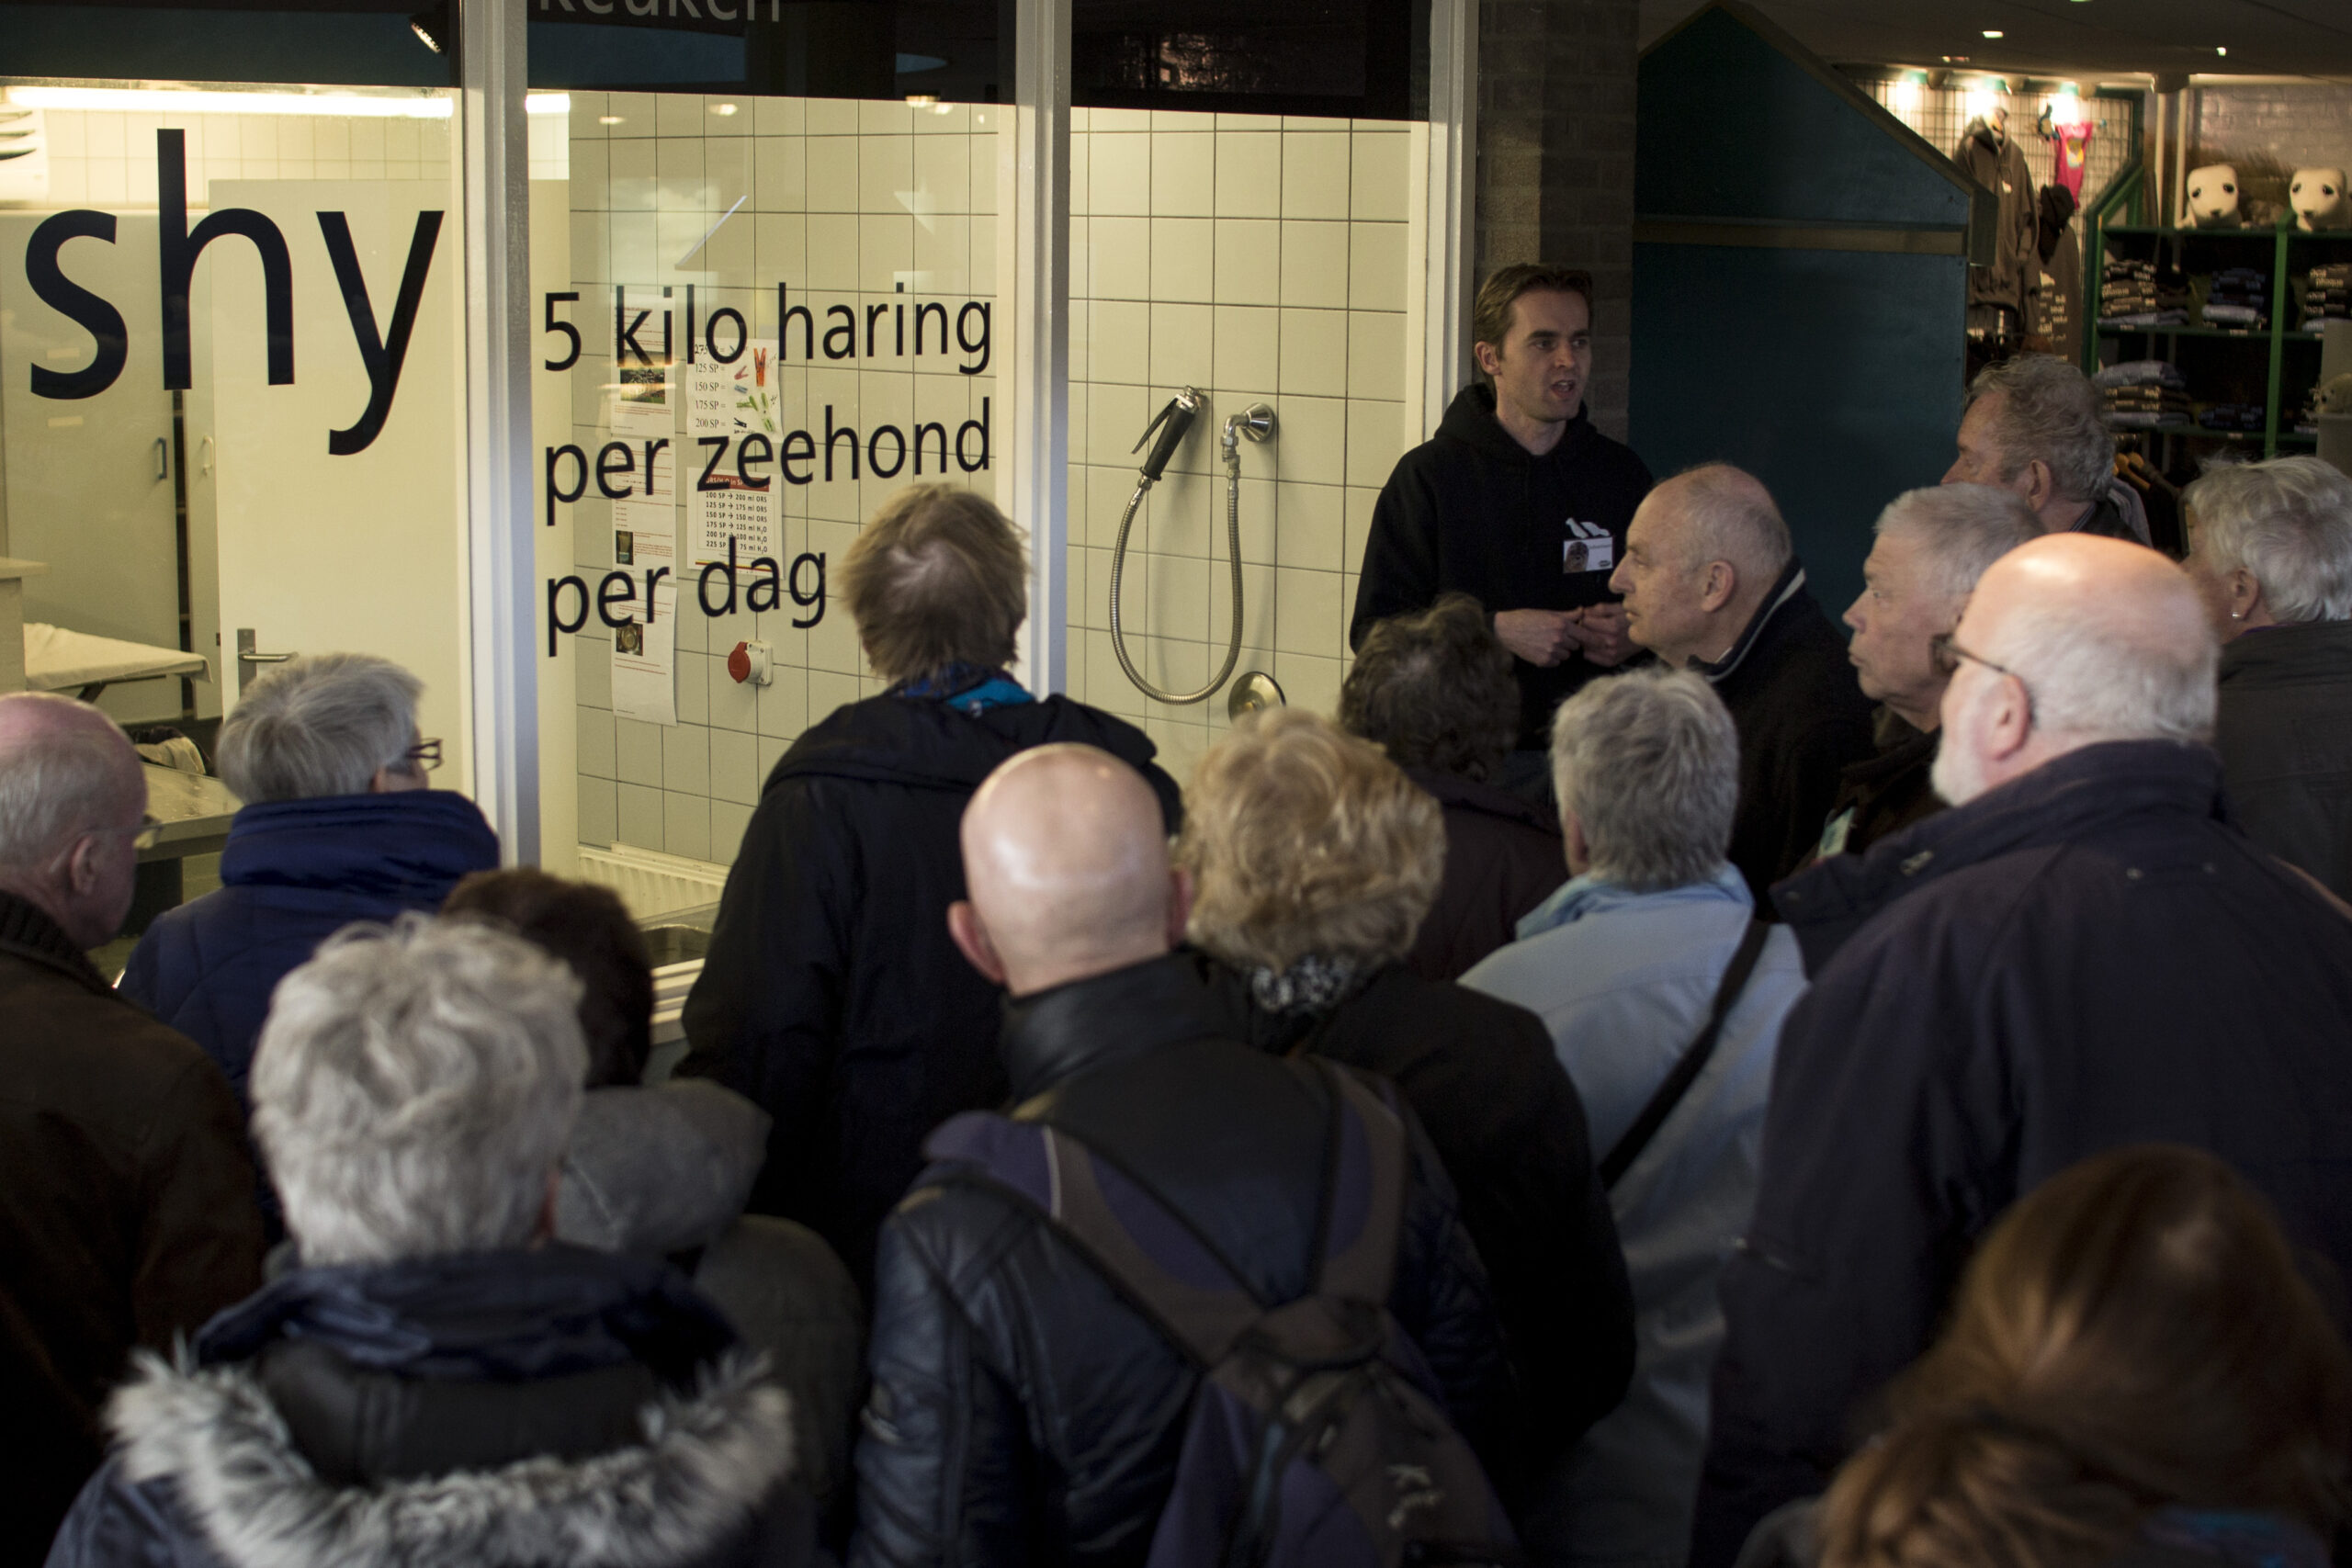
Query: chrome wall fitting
point(1254, 692)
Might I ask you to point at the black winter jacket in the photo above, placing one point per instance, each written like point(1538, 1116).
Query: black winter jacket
point(1802, 719)
point(1502, 858)
point(1023, 1413)
point(501, 1410)
point(832, 995)
point(2285, 735)
point(1891, 790)
point(126, 1210)
point(2086, 956)
point(1472, 511)
point(1481, 1075)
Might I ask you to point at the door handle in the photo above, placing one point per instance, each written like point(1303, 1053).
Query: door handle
point(162, 460)
point(204, 456)
point(249, 661)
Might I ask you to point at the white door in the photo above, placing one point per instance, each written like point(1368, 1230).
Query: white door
point(90, 479)
point(320, 552)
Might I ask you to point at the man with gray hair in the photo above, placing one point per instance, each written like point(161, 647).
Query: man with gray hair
point(1712, 583)
point(2032, 424)
point(1625, 966)
point(2271, 552)
point(126, 1198)
point(2083, 952)
point(340, 824)
point(1931, 548)
point(433, 1382)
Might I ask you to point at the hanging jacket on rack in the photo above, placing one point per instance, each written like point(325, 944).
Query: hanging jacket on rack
point(1994, 160)
point(2058, 285)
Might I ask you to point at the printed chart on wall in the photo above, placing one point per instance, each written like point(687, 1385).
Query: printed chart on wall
point(732, 424)
point(644, 546)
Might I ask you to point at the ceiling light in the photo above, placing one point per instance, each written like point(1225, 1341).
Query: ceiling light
point(1992, 32)
point(922, 100)
point(432, 28)
point(608, 119)
point(722, 110)
point(2220, 52)
point(154, 100)
point(547, 103)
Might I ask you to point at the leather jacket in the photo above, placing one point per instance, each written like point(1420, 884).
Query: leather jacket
point(1021, 1411)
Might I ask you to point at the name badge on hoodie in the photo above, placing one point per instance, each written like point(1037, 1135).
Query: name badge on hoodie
point(1588, 547)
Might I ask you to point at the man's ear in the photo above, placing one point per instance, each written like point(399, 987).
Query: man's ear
point(2038, 487)
point(971, 940)
point(1180, 904)
point(1716, 590)
point(1490, 358)
point(1579, 847)
point(2008, 720)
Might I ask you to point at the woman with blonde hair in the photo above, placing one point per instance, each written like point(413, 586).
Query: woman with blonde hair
point(2134, 1371)
point(1315, 861)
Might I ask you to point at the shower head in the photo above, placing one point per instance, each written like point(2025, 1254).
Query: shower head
point(1170, 423)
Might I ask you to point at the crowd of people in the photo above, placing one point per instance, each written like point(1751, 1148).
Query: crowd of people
point(1870, 1104)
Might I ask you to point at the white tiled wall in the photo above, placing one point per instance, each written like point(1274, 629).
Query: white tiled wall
point(108, 159)
point(1255, 258)
point(847, 200)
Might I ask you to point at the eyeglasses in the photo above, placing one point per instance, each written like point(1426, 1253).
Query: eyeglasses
point(1948, 655)
point(143, 837)
point(425, 754)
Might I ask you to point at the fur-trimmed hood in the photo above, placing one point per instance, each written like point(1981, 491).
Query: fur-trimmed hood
point(708, 1466)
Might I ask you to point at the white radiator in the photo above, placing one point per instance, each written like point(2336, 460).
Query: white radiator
point(649, 882)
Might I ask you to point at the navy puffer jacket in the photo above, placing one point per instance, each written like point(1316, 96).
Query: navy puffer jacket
point(295, 873)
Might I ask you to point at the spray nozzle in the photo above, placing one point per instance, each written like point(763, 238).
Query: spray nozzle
point(1172, 423)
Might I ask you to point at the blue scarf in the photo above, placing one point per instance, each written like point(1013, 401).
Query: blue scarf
point(968, 689)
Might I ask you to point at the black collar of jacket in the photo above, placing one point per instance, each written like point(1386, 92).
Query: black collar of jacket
point(1452, 790)
point(2067, 798)
point(1052, 1033)
point(2316, 650)
point(29, 932)
point(1786, 587)
point(1470, 418)
point(1901, 746)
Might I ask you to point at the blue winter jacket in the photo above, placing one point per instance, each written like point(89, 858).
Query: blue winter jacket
point(294, 873)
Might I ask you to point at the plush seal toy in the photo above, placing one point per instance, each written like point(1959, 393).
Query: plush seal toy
point(2319, 200)
point(2212, 198)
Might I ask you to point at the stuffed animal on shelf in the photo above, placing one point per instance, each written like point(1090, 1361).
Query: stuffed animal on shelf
point(2212, 198)
point(2320, 199)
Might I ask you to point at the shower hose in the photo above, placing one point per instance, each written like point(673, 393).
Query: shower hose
point(1233, 559)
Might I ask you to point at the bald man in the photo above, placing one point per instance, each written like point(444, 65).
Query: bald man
point(1712, 583)
point(126, 1209)
point(1024, 1411)
point(2083, 952)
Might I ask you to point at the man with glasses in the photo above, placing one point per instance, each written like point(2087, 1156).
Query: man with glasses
point(126, 1197)
point(2083, 952)
point(340, 824)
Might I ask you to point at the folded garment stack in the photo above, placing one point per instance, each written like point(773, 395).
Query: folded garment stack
point(2232, 417)
point(2140, 394)
point(2238, 299)
point(2328, 295)
point(2129, 297)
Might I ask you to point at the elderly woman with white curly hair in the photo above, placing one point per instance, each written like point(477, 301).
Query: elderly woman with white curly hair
point(1315, 861)
point(437, 1382)
point(2271, 552)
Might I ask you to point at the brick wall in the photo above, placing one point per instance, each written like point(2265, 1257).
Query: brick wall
point(1555, 158)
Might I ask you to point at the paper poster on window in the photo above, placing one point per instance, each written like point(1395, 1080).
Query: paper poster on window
point(645, 661)
point(641, 400)
point(645, 525)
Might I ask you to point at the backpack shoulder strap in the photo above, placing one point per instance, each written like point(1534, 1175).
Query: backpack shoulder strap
point(1364, 1189)
point(1148, 1252)
point(1686, 1071)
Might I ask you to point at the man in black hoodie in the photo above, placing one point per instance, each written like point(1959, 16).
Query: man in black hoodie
point(831, 995)
point(1516, 502)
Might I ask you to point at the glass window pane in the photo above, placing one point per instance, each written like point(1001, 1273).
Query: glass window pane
point(783, 308)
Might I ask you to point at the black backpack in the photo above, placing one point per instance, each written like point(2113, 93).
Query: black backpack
point(1315, 1437)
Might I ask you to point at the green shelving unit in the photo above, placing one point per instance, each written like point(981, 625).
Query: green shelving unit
point(2115, 230)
